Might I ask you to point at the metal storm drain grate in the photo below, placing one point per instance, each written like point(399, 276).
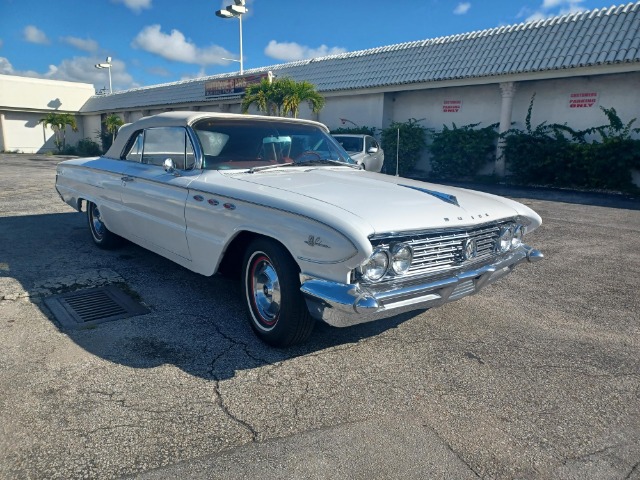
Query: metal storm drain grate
point(92, 306)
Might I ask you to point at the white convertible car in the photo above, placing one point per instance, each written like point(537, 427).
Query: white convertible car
point(278, 201)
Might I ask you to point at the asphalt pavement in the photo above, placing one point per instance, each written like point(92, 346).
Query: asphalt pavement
point(536, 377)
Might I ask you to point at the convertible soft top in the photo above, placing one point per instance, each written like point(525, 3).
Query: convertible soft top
point(183, 119)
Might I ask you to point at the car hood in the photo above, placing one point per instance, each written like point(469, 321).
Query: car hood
point(392, 204)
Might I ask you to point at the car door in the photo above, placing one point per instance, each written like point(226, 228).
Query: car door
point(103, 179)
point(154, 199)
point(372, 161)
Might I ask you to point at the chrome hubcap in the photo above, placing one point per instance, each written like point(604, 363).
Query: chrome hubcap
point(96, 222)
point(266, 290)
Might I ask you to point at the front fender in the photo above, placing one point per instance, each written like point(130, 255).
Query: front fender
point(318, 248)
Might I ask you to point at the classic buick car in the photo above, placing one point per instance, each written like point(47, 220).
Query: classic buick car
point(279, 202)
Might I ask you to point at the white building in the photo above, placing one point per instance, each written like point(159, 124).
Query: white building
point(24, 101)
point(573, 63)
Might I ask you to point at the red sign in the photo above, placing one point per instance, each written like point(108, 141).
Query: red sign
point(451, 106)
point(583, 100)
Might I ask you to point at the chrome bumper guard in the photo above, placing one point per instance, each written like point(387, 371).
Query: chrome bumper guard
point(342, 305)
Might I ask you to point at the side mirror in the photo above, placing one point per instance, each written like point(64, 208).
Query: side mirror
point(373, 150)
point(169, 165)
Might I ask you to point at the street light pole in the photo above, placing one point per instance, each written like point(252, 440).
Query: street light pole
point(241, 63)
point(235, 11)
point(106, 65)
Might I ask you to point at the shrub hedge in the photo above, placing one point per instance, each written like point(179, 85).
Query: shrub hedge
point(548, 154)
point(557, 155)
point(459, 152)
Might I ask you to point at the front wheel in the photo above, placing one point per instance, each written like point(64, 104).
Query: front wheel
point(271, 289)
point(101, 235)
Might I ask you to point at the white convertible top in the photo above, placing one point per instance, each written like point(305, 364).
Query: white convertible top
point(183, 119)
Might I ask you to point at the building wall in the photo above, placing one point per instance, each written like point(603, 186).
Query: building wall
point(24, 101)
point(552, 101)
point(92, 126)
point(22, 132)
point(25, 93)
point(444, 106)
point(361, 109)
point(482, 103)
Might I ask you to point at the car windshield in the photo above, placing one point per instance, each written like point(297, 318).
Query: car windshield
point(246, 144)
point(351, 144)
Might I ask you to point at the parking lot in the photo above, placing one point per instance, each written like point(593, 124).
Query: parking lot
point(538, 376)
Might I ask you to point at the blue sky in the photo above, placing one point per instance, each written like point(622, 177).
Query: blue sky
point(159, 41)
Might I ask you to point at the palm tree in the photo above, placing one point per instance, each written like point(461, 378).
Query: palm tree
point(263, 95)
point(113, 123)
point(282, 97)
point(58, 123)
point(298, 92)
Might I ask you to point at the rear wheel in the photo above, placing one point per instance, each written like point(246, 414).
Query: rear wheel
point(101, 235)
point(271, 289)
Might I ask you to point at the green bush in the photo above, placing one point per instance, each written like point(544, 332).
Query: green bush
point(459, 152)
point(355, 130)
point(88, 148)
point(556, 155)
point(68, 150)
point(412, 143)
point(106, 139)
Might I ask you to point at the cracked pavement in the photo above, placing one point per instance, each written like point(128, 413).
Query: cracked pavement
point(538, 376)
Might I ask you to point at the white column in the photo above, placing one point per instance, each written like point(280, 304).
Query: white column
point(507, 90)
point(3, 138)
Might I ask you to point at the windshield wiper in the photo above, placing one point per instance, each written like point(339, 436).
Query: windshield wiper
point(321, 161)
point(269, 167)
point(308, 162)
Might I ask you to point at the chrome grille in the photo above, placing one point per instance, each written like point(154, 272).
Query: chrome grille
point(441, 251)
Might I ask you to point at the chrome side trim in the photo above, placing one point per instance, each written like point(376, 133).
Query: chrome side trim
point(304, 259)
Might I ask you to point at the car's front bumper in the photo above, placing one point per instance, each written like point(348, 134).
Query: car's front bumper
point(342, 305)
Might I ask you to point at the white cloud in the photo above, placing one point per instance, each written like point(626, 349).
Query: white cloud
point(5, 66)
point(33, 34)
point(135, 5)
point(191, 76)
point(176, 47)
point(551, 8)
point(462, 8)
point(161, 72)
point(548, 4)
point(87, 45)
point(289, 51)
point(82, 69)
point(78, 69)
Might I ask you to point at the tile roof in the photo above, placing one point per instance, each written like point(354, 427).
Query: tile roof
point(596, 37)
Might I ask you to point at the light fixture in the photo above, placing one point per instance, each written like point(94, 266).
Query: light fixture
point(235, 11)
point(107, 65)
point(346, 120)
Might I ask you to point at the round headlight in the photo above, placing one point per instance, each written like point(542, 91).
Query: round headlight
point(401, 257)
point(504, 241)
point(376, 267)
point(518, 233)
